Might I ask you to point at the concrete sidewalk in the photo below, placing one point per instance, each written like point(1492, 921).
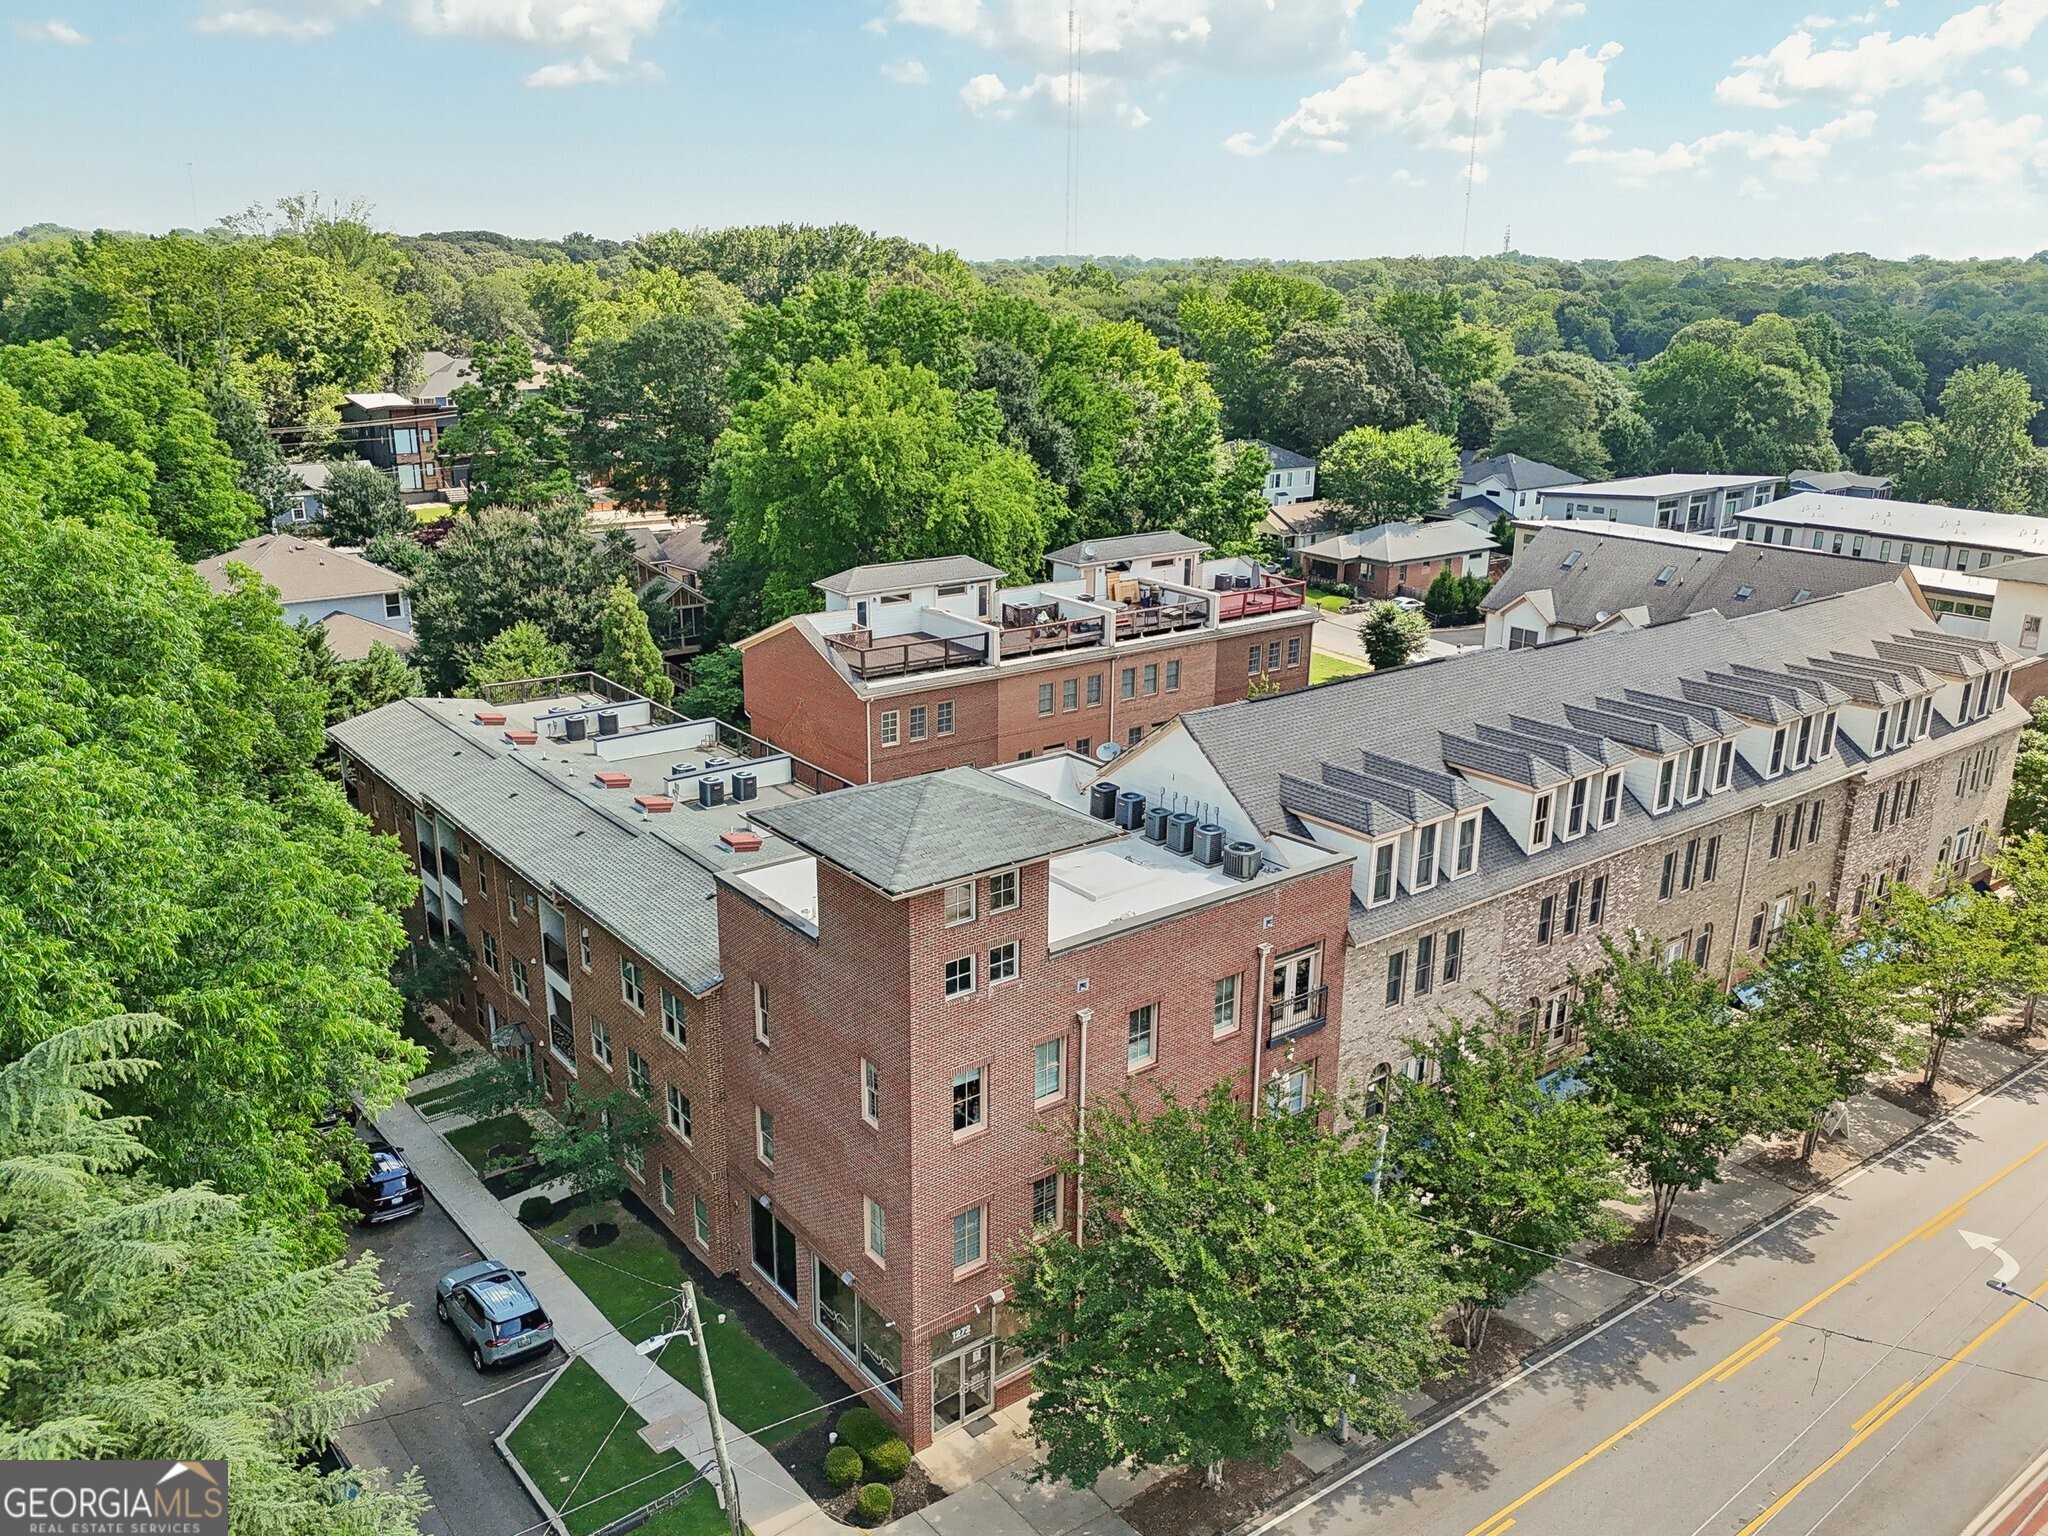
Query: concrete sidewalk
point(773, 1502)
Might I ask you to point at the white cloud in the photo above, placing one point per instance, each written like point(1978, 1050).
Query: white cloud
point(1974, 148)
point(1403, 177)
point(1454, 26)
point(1789, 156)
point(1136, 39)
point(52, 31)
point(598, 35)
point(1878, 62)
point(1045, 96)
point(908, 72)
point(2014, 75)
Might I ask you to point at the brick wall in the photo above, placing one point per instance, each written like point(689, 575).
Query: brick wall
point(796, 699)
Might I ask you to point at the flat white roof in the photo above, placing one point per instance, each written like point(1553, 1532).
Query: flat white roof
point(1914, 521)
point(1603, 529)
point(1933, 578)
point(1657, 485)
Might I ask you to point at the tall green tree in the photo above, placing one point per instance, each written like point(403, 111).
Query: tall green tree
point(357, 687)
point(1233, 329)
point(1824, 1005)
point(1951, 964)
point(627, 653)
point(1554, 419)
point(717, 688)
point(1237, 1280)
point(1976, 453)
point(1744, 398)
point(2027, 808)
point(515, 437)
point(852, 462)
point(650, 406)
point(359, 505)
point(1681, 1075)
point(1388, 477)
point(1507, 1173)
point(1327, 380)
point(146, 1319)
point(515, 654)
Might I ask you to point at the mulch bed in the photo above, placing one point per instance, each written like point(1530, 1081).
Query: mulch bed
point(1181, 1505)
point(1781, 1161)
point(1634, 1256)
point(1907, 1094)
point(805, 1458)
point(512, 1181)
point(1502, 1351)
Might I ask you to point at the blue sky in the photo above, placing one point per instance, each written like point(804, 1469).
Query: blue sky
point(1282, 128)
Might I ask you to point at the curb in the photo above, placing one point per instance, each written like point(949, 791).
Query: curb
point(1550, 1349)
point(502, 1444)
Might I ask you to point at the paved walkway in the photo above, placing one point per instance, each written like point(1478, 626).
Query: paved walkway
point(772, 1500)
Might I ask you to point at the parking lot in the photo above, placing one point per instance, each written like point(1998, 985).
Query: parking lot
point(437, 1413)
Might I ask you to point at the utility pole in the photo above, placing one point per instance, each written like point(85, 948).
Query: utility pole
point(729, 1484)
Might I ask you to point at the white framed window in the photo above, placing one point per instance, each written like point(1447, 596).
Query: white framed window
point(760, 1013)
point(700, 1214)
point(944, 713)
point(870, 1092)
point(630, 990)
point(960, 903)
point(1045, 1202)
point(918, 716)
point(601, 1042)
point(1539, 823)
point(968, 1105)
point(1048, 1070)
point(1667, 780)
point(521, 988)
point(874, 1232)
point(1610, 800)
point(1002, 963)
point(1002, 891)
point(960, 976)
point(1575, 813)
point(764, 1136)
point(967, 1246)
point(490, 951)
point(678, 1106)
point(1468, 847)
point(1223, 1011)
point(1424, 873)
point(634, 1161)
point(1291, 1091)
point(394, 605)
point(639, 1080)
point(889, 728)
point(583, 945)
point(1382, 873)
point(668, 1190)
point(675, 1027)
point(1142, 1038)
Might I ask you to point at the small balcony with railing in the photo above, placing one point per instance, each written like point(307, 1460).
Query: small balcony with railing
point(1245, 589)
point(1298, 1013)
point(1040, 619)
point(561, 1026)
point(556, 954)
point(1157, 608)
point(451, 870)
point(899, 640)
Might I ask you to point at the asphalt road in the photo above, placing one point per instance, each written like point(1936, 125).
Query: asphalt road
point(437, 1413)
point(1848, 1371)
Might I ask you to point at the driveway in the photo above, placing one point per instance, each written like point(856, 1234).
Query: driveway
point(437, 1413)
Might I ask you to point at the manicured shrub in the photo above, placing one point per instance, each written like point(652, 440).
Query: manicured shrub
point(874, 1503)
point(536, 1211)
point(863, 1429)
point(842, 1466)
point(889, 1460)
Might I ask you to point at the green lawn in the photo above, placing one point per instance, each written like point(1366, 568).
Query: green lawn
point(475, 1140)
point(1323, 667)
point(420, 1033)
point(557, 1441)
point(633, 1283)
point(1332, 601)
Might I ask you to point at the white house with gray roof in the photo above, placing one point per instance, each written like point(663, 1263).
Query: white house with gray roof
point(1508, 483)
point(317, 583)
point(1914, 532)
point(1688, 503)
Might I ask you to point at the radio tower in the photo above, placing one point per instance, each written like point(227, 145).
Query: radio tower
point(1073, 129)
point(1472, 158)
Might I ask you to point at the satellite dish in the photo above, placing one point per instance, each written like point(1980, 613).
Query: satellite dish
point(1088, 551)
point(1109, 752)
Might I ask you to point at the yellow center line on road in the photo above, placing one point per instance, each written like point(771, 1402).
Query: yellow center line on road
point(1491, 1525)
point(1494, 1530)
point(1755, 1354)
point(1886, 1415)
point(1881, 1404)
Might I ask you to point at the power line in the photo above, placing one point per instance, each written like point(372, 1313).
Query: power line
point(1472, 156)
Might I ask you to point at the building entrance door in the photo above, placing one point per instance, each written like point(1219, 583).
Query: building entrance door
point(963, 1385)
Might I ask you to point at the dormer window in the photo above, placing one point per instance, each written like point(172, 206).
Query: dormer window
point(1467, 858)
point(1424, 875)
point(1610, 801)
point(1575, 816)
point(1667, 778)
point(1902, 717)
point(1382, 873)
point(1927, 711)
point(1805, 742)
point(1539, 830)
point(1884, 729)
point(1825, 747)
point(1724, 766)
point(1695, 773)
point(1777, 752)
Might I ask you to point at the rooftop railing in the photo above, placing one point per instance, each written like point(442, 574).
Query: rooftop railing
point(1052, 635)
point(867, 658)
point(1273, 594)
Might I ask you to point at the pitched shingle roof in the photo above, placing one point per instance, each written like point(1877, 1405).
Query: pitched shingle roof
point(1128, 546)
point(1393, 542)
point(1282, 458)
point(303, 570)
point(908, 835)
point(901, 575)
point(350, 637)
point(1518, 473)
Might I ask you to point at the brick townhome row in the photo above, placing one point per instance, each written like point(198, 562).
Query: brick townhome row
point(928, 664)
point(869, 1020)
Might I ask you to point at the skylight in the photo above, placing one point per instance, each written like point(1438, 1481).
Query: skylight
point(1664, 576)
point(1744, 594)
point(1570, 560)
point(1801, 595)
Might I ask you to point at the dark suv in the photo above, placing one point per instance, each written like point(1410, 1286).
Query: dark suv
point(493, 1313)
point(388, 1191)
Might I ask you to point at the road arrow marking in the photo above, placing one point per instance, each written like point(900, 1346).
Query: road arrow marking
point(2008, 1266)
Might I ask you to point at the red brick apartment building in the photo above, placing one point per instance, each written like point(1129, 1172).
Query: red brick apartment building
point(928, 664)
point(868, 1021)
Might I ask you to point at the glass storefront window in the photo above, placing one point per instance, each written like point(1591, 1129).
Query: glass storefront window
point(846, 1318)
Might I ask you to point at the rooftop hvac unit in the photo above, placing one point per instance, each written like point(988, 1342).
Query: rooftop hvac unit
point(1155, 824)
point(608, 722)
point(575, 728)
point(1241, 861)
point(1130, 810)
point(1102, 800)
point(710, 792)
point(1180, 832)
point(1209, 840)
point(744, 785)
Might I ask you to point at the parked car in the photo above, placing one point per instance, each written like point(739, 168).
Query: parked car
point(493, 1313)
point(388, 1191)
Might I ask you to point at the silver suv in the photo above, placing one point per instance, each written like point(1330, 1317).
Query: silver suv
point(493, 1313)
